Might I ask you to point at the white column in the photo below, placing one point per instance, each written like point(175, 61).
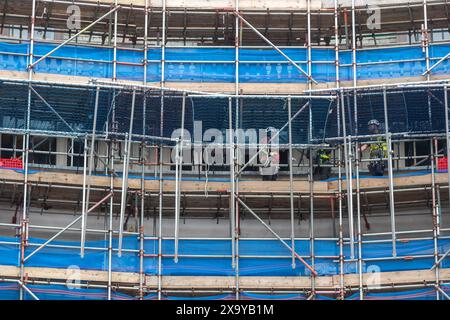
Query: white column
point(61, 147)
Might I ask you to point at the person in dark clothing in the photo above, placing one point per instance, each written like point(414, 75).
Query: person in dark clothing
point(322, 160)
point(378, 150)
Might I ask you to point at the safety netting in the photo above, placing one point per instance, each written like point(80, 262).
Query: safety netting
point(218, 64)
point(408, 110)
point(70, 110)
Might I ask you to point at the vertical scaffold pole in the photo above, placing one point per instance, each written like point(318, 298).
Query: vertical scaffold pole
point(161, 149)
point(354, 66)
point(447, 138)
point(179, 168)
point(111, 212)
point(111, 217)
point(434, 189)
point(88, 178)
point(356, 151)
point(126, 168)
point(26, 147)
point(160, 217)
point(141, 223)
point(311, 222)
point(348, 180)
point(426, 47)
point(116, 23)
point(311, 166)
point(163, 69)
point(358, 207)
point(291, 181)
point(340, 193)
point(340, 197)
point(143, 148)
point(390, 172)
point(336, 43)
point(111, 199)
point(143, 160)
point(237, 153)
point(232, 181)
point(163, 44)
point(146, 9)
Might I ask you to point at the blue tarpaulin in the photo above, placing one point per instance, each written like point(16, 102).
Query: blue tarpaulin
point(10, 291)
point(418, 294)
point(217, 64)
point(213, 257)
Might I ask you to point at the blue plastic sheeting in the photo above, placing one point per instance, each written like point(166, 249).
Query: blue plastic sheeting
point(419, 294)
point(217, 64)
point(398, 175)
point(215, 297)
point(273, 258)
point(259, 296)
point(10, 291)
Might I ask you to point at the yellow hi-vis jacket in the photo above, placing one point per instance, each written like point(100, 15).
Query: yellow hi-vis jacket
point(379, 148)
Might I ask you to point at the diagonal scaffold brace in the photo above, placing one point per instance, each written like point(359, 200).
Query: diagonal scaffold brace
point(270, 43)
point(32, 65)
point(313, 272)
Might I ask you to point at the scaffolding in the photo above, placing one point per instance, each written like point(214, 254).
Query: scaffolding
point(122, 170)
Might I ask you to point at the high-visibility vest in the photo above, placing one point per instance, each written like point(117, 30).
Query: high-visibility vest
point(323, 157)
point(381, 145)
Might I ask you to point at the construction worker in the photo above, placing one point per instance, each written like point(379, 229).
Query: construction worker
point(270, 168)
point(322, 159)
point(270, 159)
point(378, 150)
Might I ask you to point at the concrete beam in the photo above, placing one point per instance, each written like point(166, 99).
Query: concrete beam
point(217, 87)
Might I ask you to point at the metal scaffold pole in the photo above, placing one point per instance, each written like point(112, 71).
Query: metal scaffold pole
point(291, 181)
point(143, 157)
point(26, 160)
point(86, 198)
point(356, 151)
point(340, 160)
point(116, 24)
point(178, 177)
point(160, 222)
point(126, 168)
point(358, 222)
point(311, 164)
point(388, 137)
point(111, 216)
point(32, 65)
point(340, 198)
point(447, 137)
point(435, 210)
point(237, 153)
point(348, 178)
point(232, 160)
point(81, 140)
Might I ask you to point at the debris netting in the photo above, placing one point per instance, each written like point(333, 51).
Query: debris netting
point(71, 111)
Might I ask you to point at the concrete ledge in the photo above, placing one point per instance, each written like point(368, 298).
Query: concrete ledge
point(217, 87)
